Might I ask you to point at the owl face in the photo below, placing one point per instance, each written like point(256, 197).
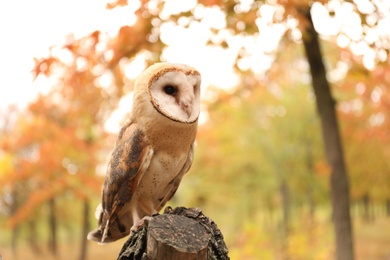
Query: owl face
point(175, 92)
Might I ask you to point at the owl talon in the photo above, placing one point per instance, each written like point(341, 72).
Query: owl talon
point(140, 223)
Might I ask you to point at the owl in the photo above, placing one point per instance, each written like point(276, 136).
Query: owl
point(153, 150)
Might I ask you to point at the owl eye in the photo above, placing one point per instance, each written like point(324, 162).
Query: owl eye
point(170, 90)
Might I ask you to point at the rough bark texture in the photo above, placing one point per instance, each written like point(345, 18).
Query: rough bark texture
point(180, 232)
point(176, 237)
point(333, 148)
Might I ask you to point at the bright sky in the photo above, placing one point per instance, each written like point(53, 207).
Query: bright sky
point(29, 28)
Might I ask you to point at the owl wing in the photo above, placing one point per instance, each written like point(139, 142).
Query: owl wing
point(174, 184)
point(129, 161)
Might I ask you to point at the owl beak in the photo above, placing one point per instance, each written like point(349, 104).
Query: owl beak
point(186, 108)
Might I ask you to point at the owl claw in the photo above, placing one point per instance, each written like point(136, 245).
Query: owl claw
point(140, 223)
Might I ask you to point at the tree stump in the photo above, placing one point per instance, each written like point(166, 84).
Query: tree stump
point(179, 233)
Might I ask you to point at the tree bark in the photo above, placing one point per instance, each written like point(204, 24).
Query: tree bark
point(179, 233)
point(332, 142)
point(86, 227)
point(176, 237)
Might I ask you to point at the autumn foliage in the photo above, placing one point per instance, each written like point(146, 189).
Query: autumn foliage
point(259, 170)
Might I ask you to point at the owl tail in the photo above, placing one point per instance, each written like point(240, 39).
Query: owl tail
point(109, 232)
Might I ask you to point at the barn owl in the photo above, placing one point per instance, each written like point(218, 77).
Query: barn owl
point(153, 150)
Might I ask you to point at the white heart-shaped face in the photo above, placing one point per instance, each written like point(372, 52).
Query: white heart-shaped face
point(175, 93)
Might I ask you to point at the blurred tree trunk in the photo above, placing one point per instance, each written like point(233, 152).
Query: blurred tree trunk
point(83, 253)
point(388, 207)
point(332, 142)
point(52, 227)
point(367, 213)
point(15, 229)
point(284, 192)
point(14, 239)
point(33, 237)
point(285, 225)
point(310, 170)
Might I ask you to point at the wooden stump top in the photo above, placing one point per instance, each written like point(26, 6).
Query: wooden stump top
point(180, 233)
point(176, 237)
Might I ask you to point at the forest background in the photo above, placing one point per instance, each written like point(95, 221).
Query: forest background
point(263, 169)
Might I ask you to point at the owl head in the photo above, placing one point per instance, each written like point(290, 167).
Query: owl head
point(173, 90)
